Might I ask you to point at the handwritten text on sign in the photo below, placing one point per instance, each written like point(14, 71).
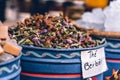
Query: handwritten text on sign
point(93, 62)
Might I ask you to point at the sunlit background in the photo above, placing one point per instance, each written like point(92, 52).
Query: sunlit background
point(16, 10)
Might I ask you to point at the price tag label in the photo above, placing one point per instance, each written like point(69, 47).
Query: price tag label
point(93, 62)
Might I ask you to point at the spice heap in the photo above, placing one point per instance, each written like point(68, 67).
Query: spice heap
point(51, 32)
point(115, 75)
point(8, 47)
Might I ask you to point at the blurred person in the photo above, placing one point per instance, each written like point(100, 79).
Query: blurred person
point(65, 5)
point(2, 10)
point(37, 7)
point(50, 5)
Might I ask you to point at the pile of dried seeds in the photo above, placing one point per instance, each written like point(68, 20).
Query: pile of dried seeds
point(51, 32)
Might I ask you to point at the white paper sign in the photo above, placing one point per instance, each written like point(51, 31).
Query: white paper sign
point(93, 62)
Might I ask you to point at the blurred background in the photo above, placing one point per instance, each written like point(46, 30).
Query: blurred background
point(16, 10)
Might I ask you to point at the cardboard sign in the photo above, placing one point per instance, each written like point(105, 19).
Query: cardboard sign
point(93, 62)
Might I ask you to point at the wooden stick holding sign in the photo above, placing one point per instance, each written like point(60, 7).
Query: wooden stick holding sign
point(95, 32)
point(105, 34)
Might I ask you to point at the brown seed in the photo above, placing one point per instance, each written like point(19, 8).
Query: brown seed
point(48, 42)
point(66, 19)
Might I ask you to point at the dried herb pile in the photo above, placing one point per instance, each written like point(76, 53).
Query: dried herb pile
point(51, 32)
